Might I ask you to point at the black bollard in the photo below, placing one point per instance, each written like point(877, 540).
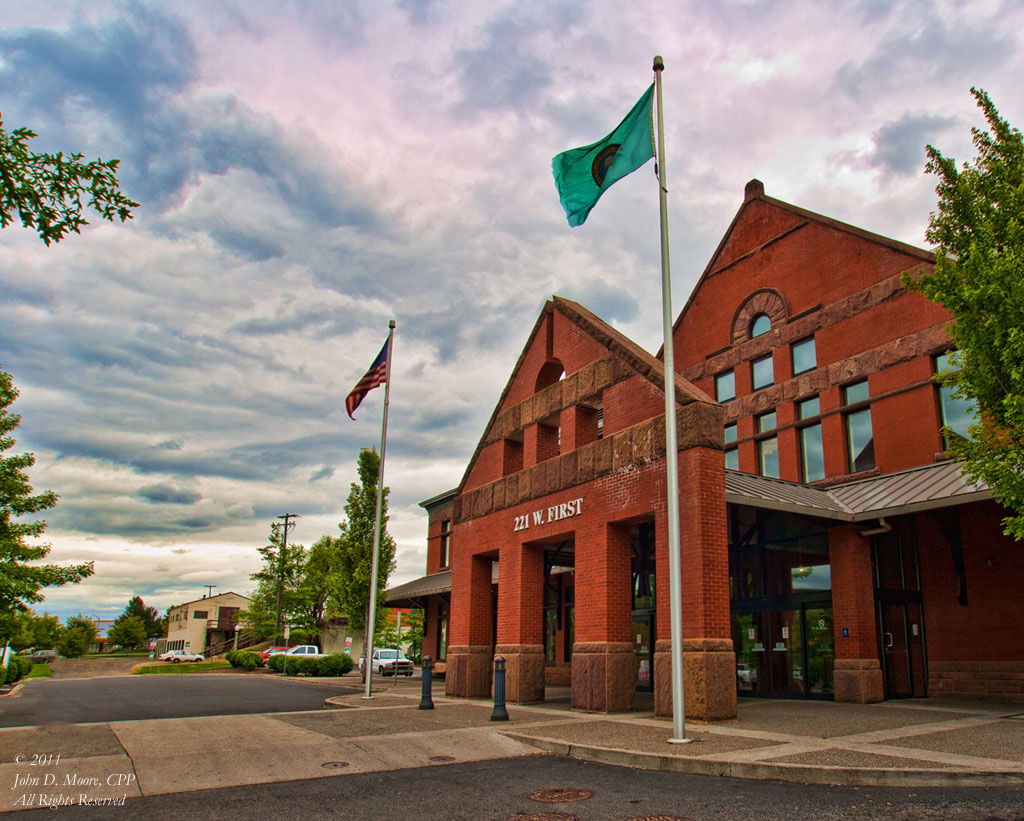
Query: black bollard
point(499, 713)
point(426, 701)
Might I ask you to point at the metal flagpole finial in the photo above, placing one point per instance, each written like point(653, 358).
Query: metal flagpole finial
point(391, 324)
point(659, 63)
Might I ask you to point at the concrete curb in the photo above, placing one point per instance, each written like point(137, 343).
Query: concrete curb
point(764, 771)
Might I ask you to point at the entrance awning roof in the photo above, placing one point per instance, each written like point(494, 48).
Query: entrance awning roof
point(405, 595)
point(923, 488)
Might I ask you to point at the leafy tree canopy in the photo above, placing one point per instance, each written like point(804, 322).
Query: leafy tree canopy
point(21, 578)
point(149, 616)
point(279, 579)
point(355, 555)
point(79, 633)
point(46, 191)
point(979, 278)
point(129, 633)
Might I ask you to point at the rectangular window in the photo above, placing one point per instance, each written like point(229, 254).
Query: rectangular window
point(446, 536)
point(762, 372)
point(732, 459)
point(812, 454)
point(768, 457)
point(725, 386)
point(766, 422)
point(955, 413)
point(730, 433)
point(808, 408)
point(200, 614)
point(860, 439)
point(804, 356)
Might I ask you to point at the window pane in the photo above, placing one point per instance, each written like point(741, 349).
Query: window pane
point(766, 422)
point(956, 413)
point(762, 372)
point(812, 453)
point(804, 356)
point(855, 393)
point(725, 386)
point(761, 325)
point(730, 433)
point(808, 408)
point(861, 440)
point(732, 459)
point(768, 457)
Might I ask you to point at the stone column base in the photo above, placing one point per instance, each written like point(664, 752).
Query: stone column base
point(524, 672)
point(602, 677)
point(709, 679)
point(468, 673)
point(858, 681)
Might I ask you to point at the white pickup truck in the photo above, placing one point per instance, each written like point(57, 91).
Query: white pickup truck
point(306, 651)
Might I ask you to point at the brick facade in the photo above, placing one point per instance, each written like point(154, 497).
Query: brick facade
point(572, 462)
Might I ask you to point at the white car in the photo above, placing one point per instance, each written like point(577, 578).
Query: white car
point(178, 656)
point(305, 651)
point(389, 662)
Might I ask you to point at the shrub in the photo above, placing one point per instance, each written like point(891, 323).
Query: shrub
point(336, 664)
point(17, 668)
point(276, 662)
point(229, 657)
point(246, 659)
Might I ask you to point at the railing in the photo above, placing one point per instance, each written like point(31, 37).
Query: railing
point(220, 624)
point(245, 639)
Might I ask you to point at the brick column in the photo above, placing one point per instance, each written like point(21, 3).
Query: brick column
point(708, 658)
point(540, 443)
point(858, 671)
point(521, 621)
point(579, 427)
point(602, 658)
point(469, 646)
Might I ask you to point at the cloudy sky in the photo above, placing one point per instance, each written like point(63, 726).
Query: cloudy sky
point(309, 170)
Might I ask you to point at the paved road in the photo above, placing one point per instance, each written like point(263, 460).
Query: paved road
point(42, 701)
point(499, 789)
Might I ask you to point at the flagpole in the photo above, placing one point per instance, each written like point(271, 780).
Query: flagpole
point(372, 616)
point(675, 587)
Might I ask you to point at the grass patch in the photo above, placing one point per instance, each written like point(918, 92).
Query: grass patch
point(40, 671)
point(165, 668)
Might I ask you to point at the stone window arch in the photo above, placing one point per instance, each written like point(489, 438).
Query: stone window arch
point(760, 324)
point(766, 301)
point(550, 372)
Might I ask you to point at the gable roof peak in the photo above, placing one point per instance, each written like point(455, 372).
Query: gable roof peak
point(753, 190)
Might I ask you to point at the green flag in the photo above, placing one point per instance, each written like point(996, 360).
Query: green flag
point(583, 174)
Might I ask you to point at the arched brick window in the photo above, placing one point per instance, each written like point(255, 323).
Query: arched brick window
point(550, 372)
point(767, 303)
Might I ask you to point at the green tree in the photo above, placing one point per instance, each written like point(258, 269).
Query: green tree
point(79, 634)
point(318, 574)
point(978, 231)
point(129, 633)
point(149, 616)
point(277, 582)
point(414, 637)
point(46, 191)
point(21, 578)
point(351, 591)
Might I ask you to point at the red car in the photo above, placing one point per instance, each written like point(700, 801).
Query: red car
point(270, 651)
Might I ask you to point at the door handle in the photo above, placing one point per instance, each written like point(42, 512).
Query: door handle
point(888, 642)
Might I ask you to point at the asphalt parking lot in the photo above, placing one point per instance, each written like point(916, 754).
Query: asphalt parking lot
point(133, 698)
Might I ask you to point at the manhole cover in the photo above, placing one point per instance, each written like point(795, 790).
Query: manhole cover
point(334, 765)
point(442, 758)
point(545, 816)
point(556, 795)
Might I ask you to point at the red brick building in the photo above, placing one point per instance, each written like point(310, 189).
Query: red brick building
point(829, 548)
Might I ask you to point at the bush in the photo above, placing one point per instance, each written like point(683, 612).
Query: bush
point(337, 664)
point(276, 662)
point(229, 657)
point(17, 668)
point(246, 659)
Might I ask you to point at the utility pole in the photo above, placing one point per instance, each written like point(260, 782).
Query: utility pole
point(209, 589)
point(288, 525)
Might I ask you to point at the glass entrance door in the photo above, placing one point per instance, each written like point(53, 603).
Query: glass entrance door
point(643, 652)
point(785, 653)
point(902, 646)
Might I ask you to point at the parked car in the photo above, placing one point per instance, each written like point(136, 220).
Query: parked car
point(178, 656)
point(43, 656)
point(389, 662)
point(306, 651)
point(270, 651)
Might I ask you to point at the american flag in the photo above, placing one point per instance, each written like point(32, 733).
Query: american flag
point(376, 375)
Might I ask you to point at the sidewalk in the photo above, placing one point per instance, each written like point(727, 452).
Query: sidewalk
point(920, 743)
point(925, 742)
